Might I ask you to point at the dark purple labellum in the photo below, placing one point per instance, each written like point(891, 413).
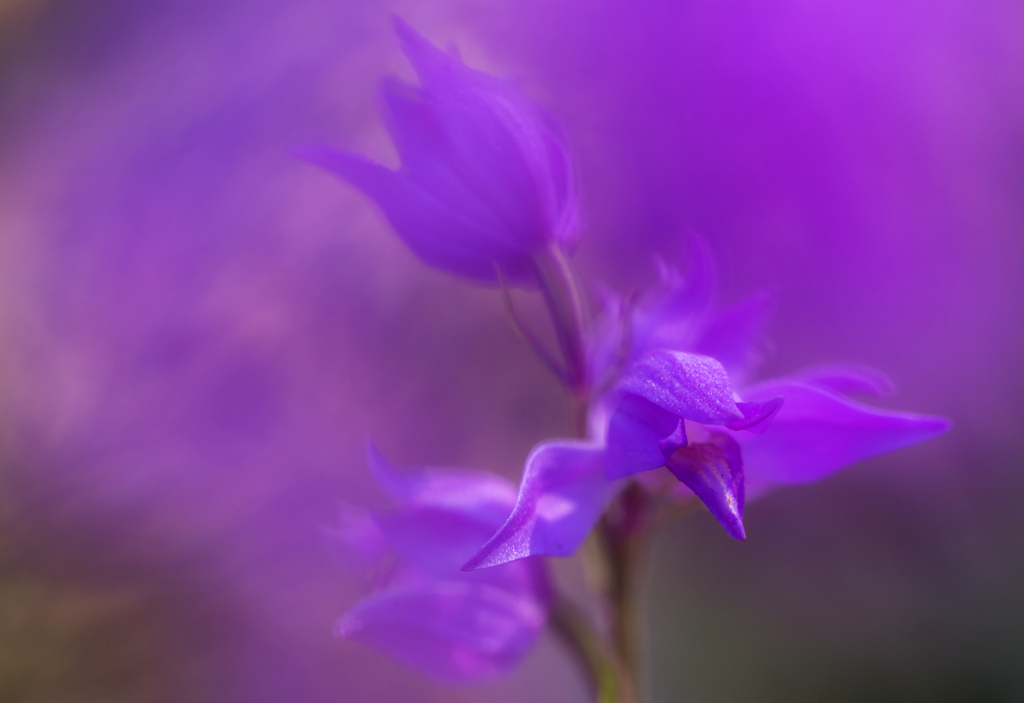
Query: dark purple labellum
point(714, 471)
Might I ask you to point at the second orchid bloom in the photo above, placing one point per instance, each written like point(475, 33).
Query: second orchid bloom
point(486, 184)
point(671, 406)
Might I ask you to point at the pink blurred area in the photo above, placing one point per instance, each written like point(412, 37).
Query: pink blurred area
point(197, 332)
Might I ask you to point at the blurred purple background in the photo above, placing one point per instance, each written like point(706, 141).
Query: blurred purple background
point(198, 331)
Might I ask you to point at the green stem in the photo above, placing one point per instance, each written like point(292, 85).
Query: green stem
point(621, 533)
point(574, 629)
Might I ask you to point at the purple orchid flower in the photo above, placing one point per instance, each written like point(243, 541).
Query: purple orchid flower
point(561, 496)
point(676, 396)
point(486, 183)
point(442, 622)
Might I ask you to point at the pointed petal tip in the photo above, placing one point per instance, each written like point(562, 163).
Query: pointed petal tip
point(382, 470)
point(361, 171)
point(373, 456)
point(400, 25)
point(499, 549)
point(422, 54)
point(346, 627)
point(477, 561)
point(921, 428)
point(502, 548)
point(488, 555)
point(757, 417)
point(406, 34)
point(730, 522)
point(937, 425)
point(820, 431)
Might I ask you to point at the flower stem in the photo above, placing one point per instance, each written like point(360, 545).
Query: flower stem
point(564, 305)
point(615, 674)
point(621, 533)
point(573, 627)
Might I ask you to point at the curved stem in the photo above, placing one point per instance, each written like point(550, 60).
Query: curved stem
point(525, 334)
point(563, 302)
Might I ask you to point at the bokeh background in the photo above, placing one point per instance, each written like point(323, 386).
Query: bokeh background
point(197, 332)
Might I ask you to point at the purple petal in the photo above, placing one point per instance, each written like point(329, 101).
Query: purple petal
point(429, 62)
point(558, 180)
point(441, 237)
point(714, 471)
point(562, 494)
point(479, 496)
point(732, 335)
point(756, 416)
point(848, 379)
point(435, 540)
point(498, 142)
point(692, 294)
point(450, 631)
point(691, 386)
point(673, 315)
point(356, 543)
point(486, 180)
point(641, 436)
point(424, 150)
point(607, 336)
point(818, 432)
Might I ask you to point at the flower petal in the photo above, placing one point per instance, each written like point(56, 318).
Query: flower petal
point(818, 432)
point(731, 335)
point(756, 416)
point(848, 379)
point(607, 337)
point(438, 235)
point(691, 386)
point(561, 496)
point(672, 315)
point(641, 436)
point(450, 631)
point(356, 542)
point(477, 495)
point(424, 150)
point(690, 295)
point(434, 540)
point(713, 469)
point(557, 176)
point(497, 141)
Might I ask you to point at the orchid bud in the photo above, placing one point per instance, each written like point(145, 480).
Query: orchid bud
point(485, 184)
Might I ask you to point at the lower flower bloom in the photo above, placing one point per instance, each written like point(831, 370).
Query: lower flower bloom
point(442, 622)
